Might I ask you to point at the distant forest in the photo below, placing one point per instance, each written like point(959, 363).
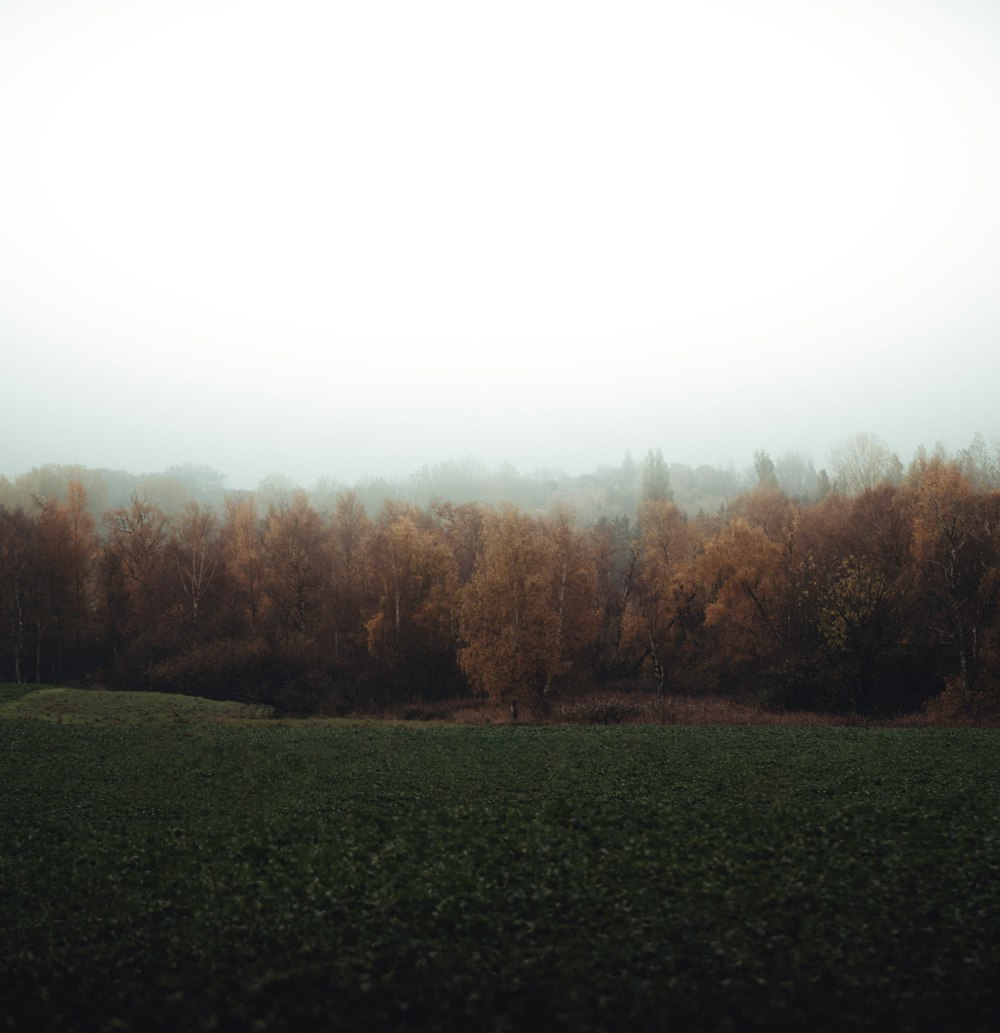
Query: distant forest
point(872, 588)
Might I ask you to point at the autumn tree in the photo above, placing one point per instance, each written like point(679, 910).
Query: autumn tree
point(618, 646)
point(957, 548)
point(133, 575)
point(243, 550)
point(664, 584)
point(82, 559)
point(414, 577)
point(218, 609)
point(869, 591)
point(349, 529)
point(297, 567)
point(857, 621)
point(767, 507)
point(197, 552)
point(138, 534)
point(507, 618)
point(843, 571)
point(17, 532)
point(462, 529)
point(296, 663)
point(65, 553)
point(742, 574)
point(573, 590)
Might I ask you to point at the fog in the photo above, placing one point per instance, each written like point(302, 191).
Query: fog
point(348, 240)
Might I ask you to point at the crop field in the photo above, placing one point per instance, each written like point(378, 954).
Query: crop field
point(174, 864)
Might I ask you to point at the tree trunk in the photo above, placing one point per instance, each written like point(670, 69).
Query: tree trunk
point(658, 672)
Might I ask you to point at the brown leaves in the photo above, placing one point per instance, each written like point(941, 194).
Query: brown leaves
point(956, 540)
point(414, 576)
point(528, 614)
point(507, 617)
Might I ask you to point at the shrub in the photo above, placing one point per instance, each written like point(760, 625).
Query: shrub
point(612, 710)
point(289, 679)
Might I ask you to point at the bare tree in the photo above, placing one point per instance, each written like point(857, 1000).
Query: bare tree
point(864, 462)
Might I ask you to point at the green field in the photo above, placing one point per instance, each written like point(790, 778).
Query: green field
point(175, 864)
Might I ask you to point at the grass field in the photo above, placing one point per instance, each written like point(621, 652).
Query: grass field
point(175, 864)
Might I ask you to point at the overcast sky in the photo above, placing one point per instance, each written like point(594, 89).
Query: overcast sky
point(341, 239)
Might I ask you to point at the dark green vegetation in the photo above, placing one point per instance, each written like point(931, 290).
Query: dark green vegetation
point(190, 867)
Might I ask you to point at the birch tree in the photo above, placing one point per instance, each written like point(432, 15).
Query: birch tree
point(507, 617)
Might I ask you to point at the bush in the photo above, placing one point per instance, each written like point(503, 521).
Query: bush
point(950, 706)
point(223, 669)
point(290, 678)
point(612, 710)
point(805, 687)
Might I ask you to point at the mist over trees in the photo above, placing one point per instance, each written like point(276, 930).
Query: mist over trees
point(872, 589)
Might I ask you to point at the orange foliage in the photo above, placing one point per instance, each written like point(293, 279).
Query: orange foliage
point(847, 603)
point(508, 618)
point(742, 573)
point(956, 542)
point(414, 577)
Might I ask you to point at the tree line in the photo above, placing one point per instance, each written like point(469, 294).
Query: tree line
point(872, 598)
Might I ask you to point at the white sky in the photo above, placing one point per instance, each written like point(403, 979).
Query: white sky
point(355, 238)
